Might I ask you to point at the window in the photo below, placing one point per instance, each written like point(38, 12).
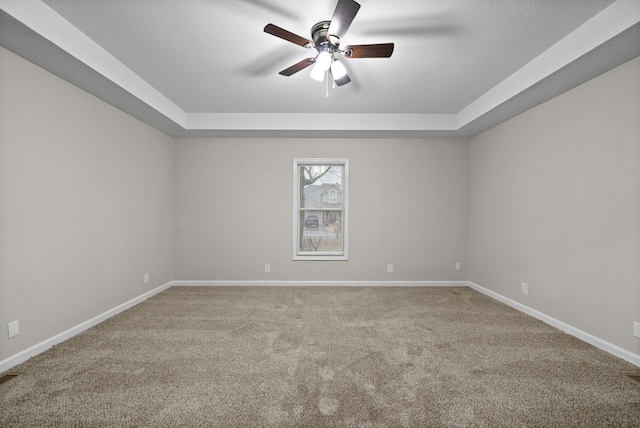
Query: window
point(320, 215)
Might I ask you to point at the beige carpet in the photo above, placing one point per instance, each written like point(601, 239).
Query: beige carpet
point(322, 357)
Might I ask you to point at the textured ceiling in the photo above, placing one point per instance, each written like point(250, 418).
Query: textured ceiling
point(205, 67)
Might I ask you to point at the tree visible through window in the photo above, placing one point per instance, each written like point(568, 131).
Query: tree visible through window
point(320, 209)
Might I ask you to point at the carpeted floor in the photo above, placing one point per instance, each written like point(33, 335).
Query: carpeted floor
point(321, 357)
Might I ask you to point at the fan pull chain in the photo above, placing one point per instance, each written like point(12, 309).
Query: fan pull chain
point(326, 79)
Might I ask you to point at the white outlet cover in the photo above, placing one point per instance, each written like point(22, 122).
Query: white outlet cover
point(636, 329)
point(267, 268)
point(14, 328)
point(389, 268)
point(524, 288)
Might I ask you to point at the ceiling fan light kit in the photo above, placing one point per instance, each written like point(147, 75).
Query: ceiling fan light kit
point(326, 37)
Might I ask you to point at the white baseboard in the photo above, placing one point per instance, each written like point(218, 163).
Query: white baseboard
point(34, 350)
point(321, 283)
point(582, 335)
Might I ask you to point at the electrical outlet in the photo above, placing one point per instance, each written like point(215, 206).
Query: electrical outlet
point(636, 329)
point(13, 328)
point(389, 268)
point(524, 288)
point(146, 277)
point(458, 266)
point(267, 268)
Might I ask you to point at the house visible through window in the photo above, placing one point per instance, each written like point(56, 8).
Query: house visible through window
point(320, 209)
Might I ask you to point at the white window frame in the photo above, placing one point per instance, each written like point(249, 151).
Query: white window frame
point(299, 255)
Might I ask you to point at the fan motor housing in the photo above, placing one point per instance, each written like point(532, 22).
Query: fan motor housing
point(319, 34)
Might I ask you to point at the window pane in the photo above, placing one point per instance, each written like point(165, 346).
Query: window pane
point(321, 232)
point(321, 186)
point(320, 209)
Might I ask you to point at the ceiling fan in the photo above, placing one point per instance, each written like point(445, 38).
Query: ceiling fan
point(326, 37)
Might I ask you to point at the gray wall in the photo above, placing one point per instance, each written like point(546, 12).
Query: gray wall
point(85, 205)
point(233, 209)
point(554, 201)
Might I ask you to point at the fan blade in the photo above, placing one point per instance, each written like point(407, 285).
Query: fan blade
point(288, 36)
point(297, 67)
point(343, 80)
point(382, 50)
point(343, 16)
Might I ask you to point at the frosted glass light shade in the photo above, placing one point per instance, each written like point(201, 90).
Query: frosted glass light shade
point(337, 70)
point(323, 62)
